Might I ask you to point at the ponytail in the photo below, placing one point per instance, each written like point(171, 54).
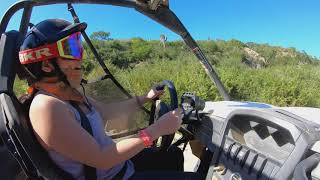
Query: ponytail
point(26, 99)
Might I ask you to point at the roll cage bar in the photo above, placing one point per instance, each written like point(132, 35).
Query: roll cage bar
point(155, 9)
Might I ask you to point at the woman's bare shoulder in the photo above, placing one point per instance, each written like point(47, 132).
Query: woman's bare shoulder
point(51, 117)
point(44, 103)
point(49, 110)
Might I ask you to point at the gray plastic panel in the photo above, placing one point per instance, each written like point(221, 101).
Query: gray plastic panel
point(269, 126)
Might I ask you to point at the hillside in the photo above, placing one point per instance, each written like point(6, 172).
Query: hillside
point(128, 53)
point(251, 72)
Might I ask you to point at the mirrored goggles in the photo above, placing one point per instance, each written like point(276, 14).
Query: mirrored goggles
point(68, 48)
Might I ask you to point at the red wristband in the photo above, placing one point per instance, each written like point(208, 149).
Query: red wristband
point(146, 138)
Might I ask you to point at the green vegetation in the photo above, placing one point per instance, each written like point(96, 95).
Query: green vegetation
point(275, 75)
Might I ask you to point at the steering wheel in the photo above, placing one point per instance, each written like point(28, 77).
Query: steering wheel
point(159, 108)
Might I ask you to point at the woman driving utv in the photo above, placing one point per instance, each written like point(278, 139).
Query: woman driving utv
point(51, 57)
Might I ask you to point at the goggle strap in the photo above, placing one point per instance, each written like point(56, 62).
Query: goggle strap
point(50, 51)
point(46, 52)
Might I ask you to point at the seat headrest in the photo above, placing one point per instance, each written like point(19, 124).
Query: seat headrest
point(9, 60)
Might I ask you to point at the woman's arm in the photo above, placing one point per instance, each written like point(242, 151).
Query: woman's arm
point(65, 135)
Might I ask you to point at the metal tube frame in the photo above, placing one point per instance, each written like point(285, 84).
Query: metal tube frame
point(162, 15)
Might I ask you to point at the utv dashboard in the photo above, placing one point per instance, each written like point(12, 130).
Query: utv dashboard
point(255, 144)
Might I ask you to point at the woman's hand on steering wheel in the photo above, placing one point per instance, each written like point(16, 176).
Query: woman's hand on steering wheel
point(153, 94)
point(169, 123)
point(166, 118)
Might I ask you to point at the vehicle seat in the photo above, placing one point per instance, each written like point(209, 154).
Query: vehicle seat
point(15, 128)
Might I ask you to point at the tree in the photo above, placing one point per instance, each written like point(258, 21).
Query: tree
point(100, 35)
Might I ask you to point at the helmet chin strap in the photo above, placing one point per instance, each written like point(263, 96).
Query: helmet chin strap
point(58, 88)
point(61, 76)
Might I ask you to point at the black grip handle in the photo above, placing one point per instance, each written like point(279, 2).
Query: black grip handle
point(160, 87)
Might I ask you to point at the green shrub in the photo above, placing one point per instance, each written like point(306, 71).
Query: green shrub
point(291, 78)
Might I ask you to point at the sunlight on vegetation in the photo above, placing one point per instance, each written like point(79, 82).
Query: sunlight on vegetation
point(275, 75)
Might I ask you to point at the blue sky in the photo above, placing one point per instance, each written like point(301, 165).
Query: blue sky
point(286, 23)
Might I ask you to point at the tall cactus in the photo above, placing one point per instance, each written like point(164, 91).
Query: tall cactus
point(163, 39)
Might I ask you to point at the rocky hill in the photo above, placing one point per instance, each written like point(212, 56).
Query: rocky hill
point(254, 55)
